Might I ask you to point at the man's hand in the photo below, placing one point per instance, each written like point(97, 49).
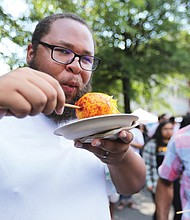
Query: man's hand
point(127, 169)
point(150, 188)
point(26, 91)
point(109, 151)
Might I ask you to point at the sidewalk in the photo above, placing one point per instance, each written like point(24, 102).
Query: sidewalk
point(144, 211)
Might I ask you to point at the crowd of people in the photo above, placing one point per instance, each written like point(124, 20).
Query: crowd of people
point(166, 137)
point(45, 177)
point(153, 154)
point(175, 167)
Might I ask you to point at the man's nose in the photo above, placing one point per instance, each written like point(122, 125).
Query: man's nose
point(74, 66)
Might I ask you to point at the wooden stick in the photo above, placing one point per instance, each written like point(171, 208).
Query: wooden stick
point(66, 105)
point(71, 106)
point(180, 212)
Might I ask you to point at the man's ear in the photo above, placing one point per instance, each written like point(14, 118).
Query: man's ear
point(30, 54)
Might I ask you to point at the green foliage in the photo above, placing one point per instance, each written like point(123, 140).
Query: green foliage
point(141, 43)
point(144, 41)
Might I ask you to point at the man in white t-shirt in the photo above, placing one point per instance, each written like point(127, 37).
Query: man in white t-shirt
point(43, 176)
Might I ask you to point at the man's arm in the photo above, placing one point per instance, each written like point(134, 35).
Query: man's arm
point(129, 175)
point(164, 196)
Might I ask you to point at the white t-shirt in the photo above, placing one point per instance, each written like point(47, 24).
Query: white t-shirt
point(44, 177)
point(137, 138)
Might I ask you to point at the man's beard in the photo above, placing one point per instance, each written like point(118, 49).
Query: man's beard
point(69, 113)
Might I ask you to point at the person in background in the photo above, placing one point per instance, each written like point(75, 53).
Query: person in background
point(185, 121)
point(137, 145)
point(175, 124)
point(144, 131)
point(162, 118)
point(175, 166)
point(138, 141)
point(113, 199)
point(153, 126)
point(44, 176)
point(153, 154)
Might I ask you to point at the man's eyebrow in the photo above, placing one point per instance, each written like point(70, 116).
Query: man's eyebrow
point(72, 47)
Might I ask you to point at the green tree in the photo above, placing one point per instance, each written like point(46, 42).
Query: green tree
point(145, 44)
point(140, 42)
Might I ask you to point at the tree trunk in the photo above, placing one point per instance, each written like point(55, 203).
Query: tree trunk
point(126, 91)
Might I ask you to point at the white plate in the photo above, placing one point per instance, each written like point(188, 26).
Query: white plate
point(94, 125)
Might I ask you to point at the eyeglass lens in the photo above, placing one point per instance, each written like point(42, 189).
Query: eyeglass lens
point(66, 56)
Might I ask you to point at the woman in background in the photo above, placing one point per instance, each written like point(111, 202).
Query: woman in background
point(153, 154)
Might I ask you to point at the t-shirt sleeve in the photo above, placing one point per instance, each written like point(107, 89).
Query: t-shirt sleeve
point(138, 136)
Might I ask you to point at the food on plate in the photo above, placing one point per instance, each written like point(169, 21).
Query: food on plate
point(95, 104)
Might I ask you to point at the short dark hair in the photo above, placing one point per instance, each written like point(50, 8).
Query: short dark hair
point(185, 121)
point(43, 27)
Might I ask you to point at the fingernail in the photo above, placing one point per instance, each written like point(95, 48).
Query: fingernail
point(96, 143)
point(78, 144)
point(59, 111)
point(123, 134)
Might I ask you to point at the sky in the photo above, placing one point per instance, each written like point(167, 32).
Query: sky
point(9, 6)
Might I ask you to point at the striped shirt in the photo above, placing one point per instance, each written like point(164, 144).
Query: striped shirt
point(149, 156)
point(177, 163)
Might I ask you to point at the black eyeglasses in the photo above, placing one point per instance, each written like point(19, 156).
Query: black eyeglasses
point(65, 56)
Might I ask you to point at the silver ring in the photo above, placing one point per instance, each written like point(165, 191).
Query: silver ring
point(106, 155)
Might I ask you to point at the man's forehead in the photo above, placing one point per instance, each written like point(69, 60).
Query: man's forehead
point(68, 23)
point(70, 32)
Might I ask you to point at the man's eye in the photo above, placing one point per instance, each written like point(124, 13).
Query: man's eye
point(63, 51)
point(87, 59)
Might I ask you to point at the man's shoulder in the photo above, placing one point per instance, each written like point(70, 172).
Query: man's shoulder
point(184, 129)
point(182, 138)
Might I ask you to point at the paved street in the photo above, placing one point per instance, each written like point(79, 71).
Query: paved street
point(144, 211)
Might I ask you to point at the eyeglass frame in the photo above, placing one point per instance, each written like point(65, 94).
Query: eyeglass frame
point(51, 46)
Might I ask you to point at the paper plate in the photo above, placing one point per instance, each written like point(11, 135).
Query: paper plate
point(94, 125)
